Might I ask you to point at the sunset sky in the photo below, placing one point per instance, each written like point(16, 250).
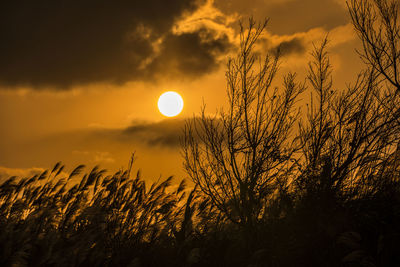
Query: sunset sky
point(80, 80)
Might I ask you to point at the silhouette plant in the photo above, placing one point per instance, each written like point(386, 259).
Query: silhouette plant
point(240, 157)
point(99, 220)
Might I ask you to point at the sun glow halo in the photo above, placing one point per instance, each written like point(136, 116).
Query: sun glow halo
point(170, 104)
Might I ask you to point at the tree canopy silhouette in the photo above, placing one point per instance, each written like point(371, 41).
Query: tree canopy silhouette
point(242, 155)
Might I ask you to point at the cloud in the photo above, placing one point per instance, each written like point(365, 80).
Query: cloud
point(289, 16)
point(161, 134)
point(294, 46)
point(191, 54)
point(6, 173)
point(96, 156)
point(63, 44)
point(60, 44)
point(166, 133)
point(289, 47)
point(153, 142)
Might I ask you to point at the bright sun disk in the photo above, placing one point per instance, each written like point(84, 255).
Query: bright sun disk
point(170, 104)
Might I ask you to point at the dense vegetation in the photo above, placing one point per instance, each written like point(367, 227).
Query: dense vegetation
point(274, 186)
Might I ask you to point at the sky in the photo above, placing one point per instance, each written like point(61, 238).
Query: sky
point(80, 80)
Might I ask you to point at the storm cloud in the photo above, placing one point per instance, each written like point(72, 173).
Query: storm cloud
point(60, 44)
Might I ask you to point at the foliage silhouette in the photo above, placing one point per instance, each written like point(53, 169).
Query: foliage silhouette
point(242, 155)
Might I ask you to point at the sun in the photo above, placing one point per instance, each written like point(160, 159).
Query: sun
point(170, 104)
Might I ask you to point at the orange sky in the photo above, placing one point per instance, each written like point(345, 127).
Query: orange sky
point(79, 83)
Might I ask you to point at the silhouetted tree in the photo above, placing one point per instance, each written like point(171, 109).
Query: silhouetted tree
point(347, 131)
point(239, 157)
point(377, 25)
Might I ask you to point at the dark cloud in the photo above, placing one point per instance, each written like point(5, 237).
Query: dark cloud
point(191, 53)
point(166, 133)
point(64, 43)
point(294, 46)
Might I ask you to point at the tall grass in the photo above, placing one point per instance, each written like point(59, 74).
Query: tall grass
point(98, 219)
point(95, 219)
